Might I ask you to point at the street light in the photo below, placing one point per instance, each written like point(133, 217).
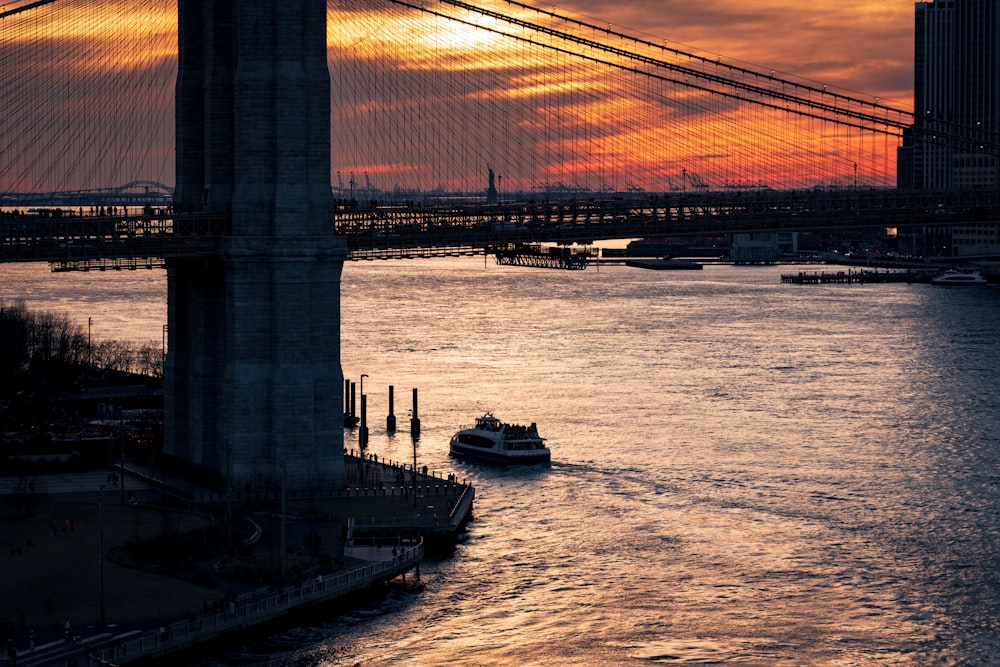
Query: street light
point(90, 348)
point(121, 446)
point(282, 555)
point(414, 472)
point(100, 522)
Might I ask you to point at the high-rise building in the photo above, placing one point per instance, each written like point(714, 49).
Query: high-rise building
point(977, 93)
point(933, 93)
point(956, 92)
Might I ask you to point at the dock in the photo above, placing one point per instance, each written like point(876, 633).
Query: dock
point(245, 611)
point(851, 277)
point(535, 256)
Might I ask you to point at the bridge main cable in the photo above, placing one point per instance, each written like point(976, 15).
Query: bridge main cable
point(660, 77)
point(892, 117)
point(707, 61)
point(881, 118)
point(24, 8)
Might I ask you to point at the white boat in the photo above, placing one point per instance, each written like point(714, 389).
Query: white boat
point(498, 442)
point(952, 277)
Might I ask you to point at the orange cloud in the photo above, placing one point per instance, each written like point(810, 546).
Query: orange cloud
point(536, 117)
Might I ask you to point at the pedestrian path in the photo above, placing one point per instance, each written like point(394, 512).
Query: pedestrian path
point(84, 482)
point(386, 519)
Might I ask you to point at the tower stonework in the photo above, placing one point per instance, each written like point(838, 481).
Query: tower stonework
point(253, 379)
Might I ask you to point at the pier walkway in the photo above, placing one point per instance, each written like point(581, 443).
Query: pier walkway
point(852, 277)
point(245, 611)
point(386, 520)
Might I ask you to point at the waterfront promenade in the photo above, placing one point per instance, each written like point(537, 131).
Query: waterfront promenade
point(373, 531)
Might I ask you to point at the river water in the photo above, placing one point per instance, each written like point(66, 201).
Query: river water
point(744, 472)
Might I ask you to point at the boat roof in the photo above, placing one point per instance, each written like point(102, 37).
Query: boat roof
point(489, 422)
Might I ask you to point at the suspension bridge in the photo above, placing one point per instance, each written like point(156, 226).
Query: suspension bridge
point(301, 133)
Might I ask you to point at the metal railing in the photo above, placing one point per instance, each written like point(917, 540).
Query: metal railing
point(244, 611)
point(252, 609)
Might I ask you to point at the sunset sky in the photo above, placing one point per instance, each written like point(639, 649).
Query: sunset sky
point(425, 103)
point(865, 45)
point(632, 132)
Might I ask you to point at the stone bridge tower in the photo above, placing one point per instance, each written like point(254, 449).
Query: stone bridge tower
point(253, 379)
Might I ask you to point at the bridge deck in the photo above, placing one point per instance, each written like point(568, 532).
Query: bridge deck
point(71, 240)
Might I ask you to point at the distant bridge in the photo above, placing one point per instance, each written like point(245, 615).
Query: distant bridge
point(136, 193)
point(71, 241)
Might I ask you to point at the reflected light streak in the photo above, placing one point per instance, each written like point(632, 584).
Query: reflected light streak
point(426, 40)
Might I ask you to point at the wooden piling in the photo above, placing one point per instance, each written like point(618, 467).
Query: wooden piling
point(415, 419)
point(363, 433)
point(390, 421)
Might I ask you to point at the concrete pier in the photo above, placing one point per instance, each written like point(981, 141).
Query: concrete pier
point(395, 515)
point(390, 420)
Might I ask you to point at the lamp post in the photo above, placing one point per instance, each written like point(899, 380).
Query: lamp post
point(414, 472)
point(282, 555)
point(121, 445)
point(415, 434)
point(100, 523)
point(90, 347)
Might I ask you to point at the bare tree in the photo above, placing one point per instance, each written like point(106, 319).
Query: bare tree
point(48, 337)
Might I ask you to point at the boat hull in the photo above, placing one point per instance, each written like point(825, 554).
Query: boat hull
point(503, 458)
point(956, 278)
point(491, 456)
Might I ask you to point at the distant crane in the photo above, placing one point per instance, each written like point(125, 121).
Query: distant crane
point(696, 181)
